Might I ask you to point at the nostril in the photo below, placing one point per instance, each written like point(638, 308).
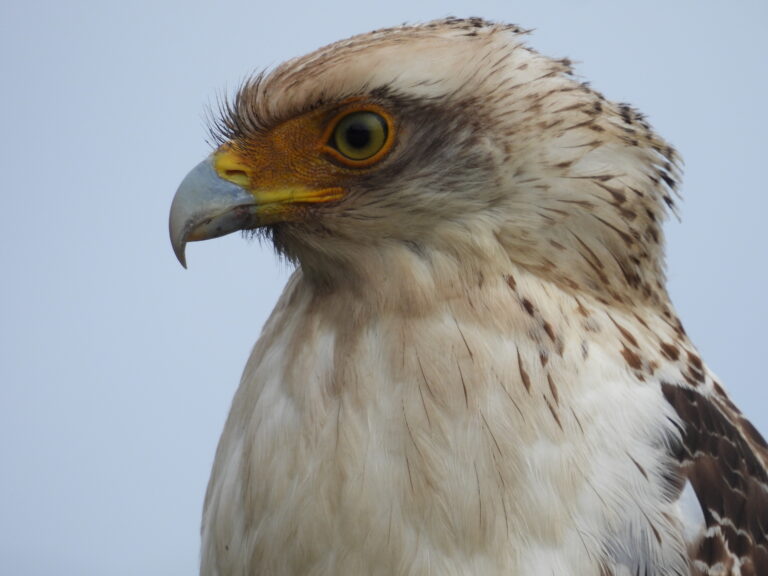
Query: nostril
point(239, 177)
point(232, 167)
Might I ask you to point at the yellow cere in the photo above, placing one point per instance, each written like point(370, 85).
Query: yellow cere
point(229, 166)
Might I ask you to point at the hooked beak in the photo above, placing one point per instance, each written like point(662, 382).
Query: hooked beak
point(207, 206)
point(219, 197)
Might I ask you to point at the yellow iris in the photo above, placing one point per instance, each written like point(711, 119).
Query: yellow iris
point(360, 135)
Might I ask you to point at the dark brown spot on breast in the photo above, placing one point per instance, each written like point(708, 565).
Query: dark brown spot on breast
point(618, 195)
point(528, 306)
point(572, 284)
point(553, 412)
point(523, 374)
point(631, 358)
point(670, 351)
point(695, 361)
point(549, 330)
point(696, 375)
point(628, 214)
point(640, 319)
point(689, 380)
point(626, 334)
point(553, 388)
point(639, 467)
point(557, 245)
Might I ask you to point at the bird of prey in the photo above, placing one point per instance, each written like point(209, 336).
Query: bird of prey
point(475, 368)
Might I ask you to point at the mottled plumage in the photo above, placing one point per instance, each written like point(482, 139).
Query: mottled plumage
point(475, 368)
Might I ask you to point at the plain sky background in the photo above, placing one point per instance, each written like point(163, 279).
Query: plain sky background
point(117, 366)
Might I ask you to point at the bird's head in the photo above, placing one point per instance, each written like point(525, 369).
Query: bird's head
point(451, 138)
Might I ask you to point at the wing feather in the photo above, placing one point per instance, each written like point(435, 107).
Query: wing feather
point(726, 462)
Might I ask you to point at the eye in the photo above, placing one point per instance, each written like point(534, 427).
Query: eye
point(360, 136)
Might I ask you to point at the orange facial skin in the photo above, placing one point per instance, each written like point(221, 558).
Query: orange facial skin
point(295, 163)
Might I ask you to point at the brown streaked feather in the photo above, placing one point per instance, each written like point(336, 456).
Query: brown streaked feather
point(725, 460)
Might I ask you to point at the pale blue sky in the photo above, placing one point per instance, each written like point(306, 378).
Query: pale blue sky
point(117, 366)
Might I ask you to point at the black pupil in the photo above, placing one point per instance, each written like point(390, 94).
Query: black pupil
point(358, 135)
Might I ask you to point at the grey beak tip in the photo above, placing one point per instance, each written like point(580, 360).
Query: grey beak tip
point(179, 245)
point(182, 259)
